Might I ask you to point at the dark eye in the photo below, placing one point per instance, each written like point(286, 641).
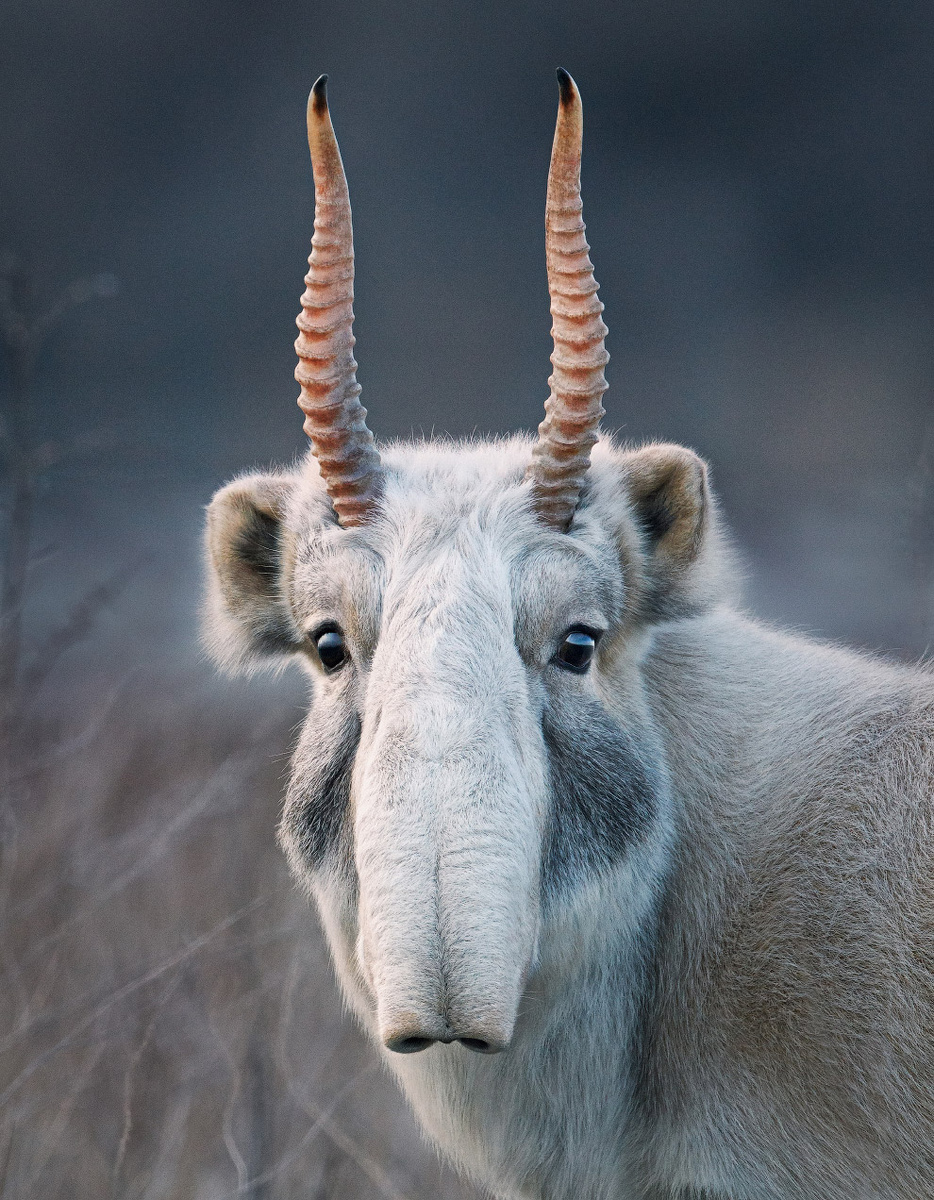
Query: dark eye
point(576, 650)
point(331, 648)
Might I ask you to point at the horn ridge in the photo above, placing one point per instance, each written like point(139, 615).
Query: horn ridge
point(335, 420)
point(573, 410)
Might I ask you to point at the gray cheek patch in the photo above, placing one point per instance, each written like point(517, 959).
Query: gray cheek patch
point(604, 796)
point(317, 806)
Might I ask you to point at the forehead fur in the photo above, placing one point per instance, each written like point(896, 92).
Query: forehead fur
point(462, 510)
point(440, 486)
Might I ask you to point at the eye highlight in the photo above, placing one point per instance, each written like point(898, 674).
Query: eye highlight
point(331, 647)
point(576, 650)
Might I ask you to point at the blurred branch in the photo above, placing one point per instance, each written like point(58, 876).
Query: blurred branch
point(40, 557)
point(9, 854)
point(230, 771)
point(174, 1131)
point(92, 287)
point(249, 1082)
point(23, 332)
point(80, 622)
point(72, 745)
point(259, 1110)
point(5, 1160)
point(322, 1120)
point(43, 1020)
point(43, 988)
point(128, 1083)
point(77, 1082)
point(357, 1155)
point(227, 1129)
point(121, 994)
point(322, 1124)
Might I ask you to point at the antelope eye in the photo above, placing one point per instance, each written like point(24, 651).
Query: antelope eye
point(331, 648)
point(576, 650)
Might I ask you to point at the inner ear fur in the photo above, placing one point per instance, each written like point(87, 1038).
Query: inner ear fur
point(247, 617)
point(670, 501)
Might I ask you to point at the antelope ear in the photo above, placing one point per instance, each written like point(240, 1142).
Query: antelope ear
point(246, 618)
point(674, 513)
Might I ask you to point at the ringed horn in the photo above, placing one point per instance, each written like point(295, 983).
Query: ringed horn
point(573, 410)
point(335, 420)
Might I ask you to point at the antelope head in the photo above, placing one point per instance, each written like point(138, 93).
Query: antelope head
point(478, 753)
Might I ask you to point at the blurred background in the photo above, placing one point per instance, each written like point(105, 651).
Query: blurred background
point(758, 183)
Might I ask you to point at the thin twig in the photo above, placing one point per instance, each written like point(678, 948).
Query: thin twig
point(77, 1084)
point(156, 848)
point(227, 1129)
point(5, 1162)
point(165, 1169)
point(316, 1127)
point(81, 621)
point(121, 994)
point(80, 741)
point(128, 1080)
point(323, 1121)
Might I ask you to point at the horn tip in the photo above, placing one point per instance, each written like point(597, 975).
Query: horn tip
point(318, 100)
point(567, 87)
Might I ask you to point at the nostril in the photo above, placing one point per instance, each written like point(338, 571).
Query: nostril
point(409, 1045)
point(479, 1045)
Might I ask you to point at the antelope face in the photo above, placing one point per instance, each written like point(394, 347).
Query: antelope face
point(478, 748)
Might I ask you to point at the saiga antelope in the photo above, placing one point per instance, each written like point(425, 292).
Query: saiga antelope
point(560, 801)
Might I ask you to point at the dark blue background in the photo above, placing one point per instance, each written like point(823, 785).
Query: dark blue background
point(758, 186)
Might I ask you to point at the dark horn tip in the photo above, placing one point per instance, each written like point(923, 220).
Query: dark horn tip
point(566, 86)
point(319, 95)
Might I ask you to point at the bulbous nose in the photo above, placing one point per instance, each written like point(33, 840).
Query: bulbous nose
point(414, 1039)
